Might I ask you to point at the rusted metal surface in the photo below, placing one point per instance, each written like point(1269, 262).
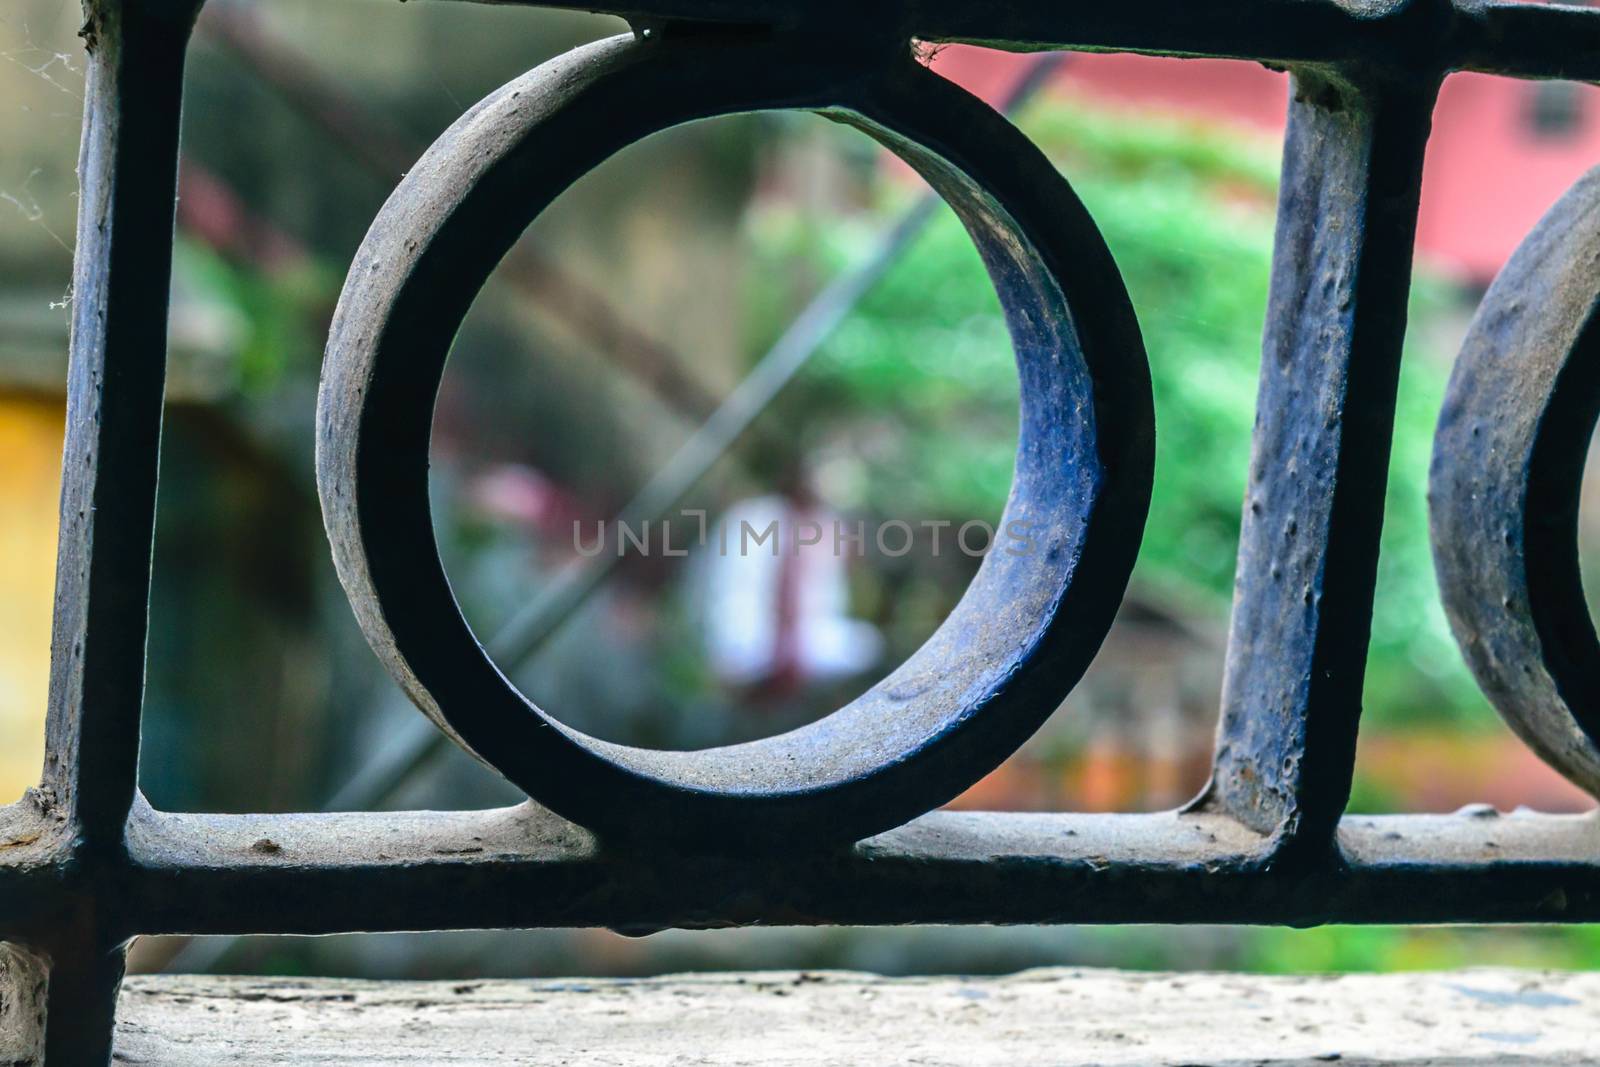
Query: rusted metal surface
point(778, 831)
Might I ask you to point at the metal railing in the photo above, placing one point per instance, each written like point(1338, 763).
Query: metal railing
point(835, 822)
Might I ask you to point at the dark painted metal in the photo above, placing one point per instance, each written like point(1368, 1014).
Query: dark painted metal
point(526, 633)
point(1028, 625)
point(1504, 489)
point(128, 185)
point(1513, 37)
point(524, 866)
point(114, 397)
point(687, 840)
point(416, 743)
point(1308, 549)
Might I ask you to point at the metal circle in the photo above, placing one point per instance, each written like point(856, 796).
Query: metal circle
point(1027, 626)
point(1505, 484)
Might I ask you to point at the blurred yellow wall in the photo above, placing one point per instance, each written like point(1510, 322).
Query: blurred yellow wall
point(31, 429)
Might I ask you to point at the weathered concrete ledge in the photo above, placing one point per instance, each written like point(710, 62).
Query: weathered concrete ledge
point(1056, 1017)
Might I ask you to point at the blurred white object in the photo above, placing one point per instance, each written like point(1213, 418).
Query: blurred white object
point(776, 597)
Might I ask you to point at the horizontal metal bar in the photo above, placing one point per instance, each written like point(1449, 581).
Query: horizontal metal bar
point(1526, 40)
point(1508, 37)
point(524, 867)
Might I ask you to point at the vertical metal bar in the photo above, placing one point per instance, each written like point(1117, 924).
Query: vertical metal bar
point(127, 172)
point(121, 283)
point(1313, 510)
point(81, 1005)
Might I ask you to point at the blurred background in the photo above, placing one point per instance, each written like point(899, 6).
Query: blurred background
point(622, 321)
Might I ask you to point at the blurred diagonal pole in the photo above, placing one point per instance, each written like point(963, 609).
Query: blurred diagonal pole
point(418, 743)
point(527, 632)
point(387, 152)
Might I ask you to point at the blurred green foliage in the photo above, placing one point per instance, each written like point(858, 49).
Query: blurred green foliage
point(1413, 948)
point(280, 312)
point(1338, 949)
point(917, 387)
